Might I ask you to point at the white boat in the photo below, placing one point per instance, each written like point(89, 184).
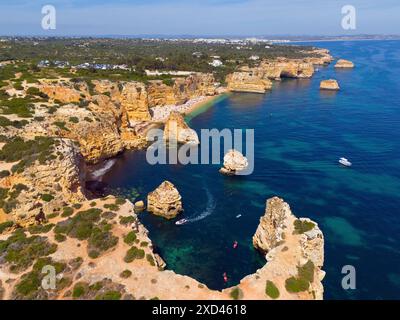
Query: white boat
point(345, 162)
point(181, 222)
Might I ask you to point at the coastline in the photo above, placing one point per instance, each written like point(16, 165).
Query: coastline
point(204, 105)
point(190, 109)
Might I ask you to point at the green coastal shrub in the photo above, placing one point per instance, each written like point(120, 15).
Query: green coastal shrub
point(47, 197)
point(301, 226)
point(271, 290)
point(150, 259)
point(236, 293)
point(109, 295)
point(127, 220)
point(4, 173)
point(112, 207)
point(29, 287)
point(40, 229)
point(20, 251)
point(33, 91)
point(74, 120)
point(67, 211)
point(27, 152)
point(305, 275)
point(79, 290)
point(77, 206)
point(5, 225)
point(61, 125)
point(60, 237)
point(22, 107)
point(101, 239)
point(130, 238)
point(125, 274)
point(294, 285)
point(134, 253)
point(120, 201)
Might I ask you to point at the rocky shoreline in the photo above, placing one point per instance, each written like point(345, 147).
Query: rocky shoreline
point(44, 200)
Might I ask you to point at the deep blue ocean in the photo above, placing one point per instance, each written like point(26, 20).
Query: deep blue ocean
point(300, 133)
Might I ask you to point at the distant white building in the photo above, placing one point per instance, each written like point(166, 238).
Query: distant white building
point(172, 73)
point(216, 63)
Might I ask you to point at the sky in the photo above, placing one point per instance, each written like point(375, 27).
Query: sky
point(199, 17)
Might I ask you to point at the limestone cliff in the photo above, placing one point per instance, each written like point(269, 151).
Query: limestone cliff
point(160, 94)
point(62, 178)
point(177, 131)
point(128, 266)
point(63, 91)
point(95, 128)
point(134, 101)
point(293, 247)
point(286, 68)
point(247, 82)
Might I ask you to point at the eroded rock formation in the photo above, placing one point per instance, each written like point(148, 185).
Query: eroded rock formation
point(165, 201)
point(234, 162)
point(345, 64)
point(247, 82)
point(177, 131)
point(286, 68)
point(330, 84)
point(287, 242)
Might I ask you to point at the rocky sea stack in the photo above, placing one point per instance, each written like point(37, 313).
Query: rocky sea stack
point(165, 201)
point(234, 162)
point(176, 130)
point(344, 64)
point(329, 85)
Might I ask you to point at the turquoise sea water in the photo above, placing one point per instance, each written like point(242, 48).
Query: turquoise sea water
point(300, 133)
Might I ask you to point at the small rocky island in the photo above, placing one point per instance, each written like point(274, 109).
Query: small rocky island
point(330, 84)
point(344, 64)
point(165, 201)
point(234, 163)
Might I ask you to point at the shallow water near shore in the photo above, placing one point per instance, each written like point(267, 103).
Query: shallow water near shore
point(300, 133)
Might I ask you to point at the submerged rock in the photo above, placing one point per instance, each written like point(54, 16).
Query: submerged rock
point(177, 130)
point(330, 84)
point(344, 64)
point(165, 201)
point(234, 162)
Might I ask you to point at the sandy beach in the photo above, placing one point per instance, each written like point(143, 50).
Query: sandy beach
point(161, 113)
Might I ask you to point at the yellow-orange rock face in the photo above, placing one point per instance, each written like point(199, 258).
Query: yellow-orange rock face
point(247, 82)
point(330, 84)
